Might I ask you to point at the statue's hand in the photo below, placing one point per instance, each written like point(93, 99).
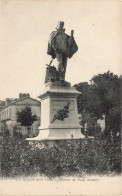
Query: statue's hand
point(72, 32)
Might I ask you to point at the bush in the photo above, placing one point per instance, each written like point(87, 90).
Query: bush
point(66, 157)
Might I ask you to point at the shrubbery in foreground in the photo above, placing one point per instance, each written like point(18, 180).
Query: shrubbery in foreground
point(67, 157)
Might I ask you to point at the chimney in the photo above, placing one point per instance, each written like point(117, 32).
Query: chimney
point(8, 101)
point(20, 95)
point(23, 95)
point(28, 95)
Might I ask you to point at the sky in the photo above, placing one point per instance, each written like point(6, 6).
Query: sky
point(25, 26)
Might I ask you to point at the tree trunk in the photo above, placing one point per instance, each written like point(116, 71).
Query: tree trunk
point(28, 129)
point(107, 123)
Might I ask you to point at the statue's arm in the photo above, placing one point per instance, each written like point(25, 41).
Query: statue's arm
point(72, 33)
point(72, 45)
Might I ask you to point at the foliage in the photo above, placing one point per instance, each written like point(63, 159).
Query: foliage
point(66, 157)
point(83, 98)
point(102, 97)
point(93, 128)
point(101, 155)
point(25, 117)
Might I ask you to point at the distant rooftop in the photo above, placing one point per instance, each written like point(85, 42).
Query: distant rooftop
point(2, 103)
point(8, 101)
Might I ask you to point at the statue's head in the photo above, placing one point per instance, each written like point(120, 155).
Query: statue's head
point(60, 25)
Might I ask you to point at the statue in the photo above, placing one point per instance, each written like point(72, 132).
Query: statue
point(61, 46)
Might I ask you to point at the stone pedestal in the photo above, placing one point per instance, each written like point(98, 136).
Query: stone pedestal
point(59, 115)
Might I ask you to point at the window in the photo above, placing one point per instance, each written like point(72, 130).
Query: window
point(9, 112)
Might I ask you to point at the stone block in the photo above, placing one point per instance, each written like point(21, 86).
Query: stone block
point(59, 114)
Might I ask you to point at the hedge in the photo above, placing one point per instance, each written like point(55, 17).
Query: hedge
point(67, 157)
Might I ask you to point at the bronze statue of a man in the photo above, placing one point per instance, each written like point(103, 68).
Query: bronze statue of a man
point(61, 46)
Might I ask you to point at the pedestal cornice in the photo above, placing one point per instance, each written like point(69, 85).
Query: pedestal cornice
point(58, 91)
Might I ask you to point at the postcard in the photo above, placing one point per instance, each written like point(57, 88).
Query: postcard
point(60, 97)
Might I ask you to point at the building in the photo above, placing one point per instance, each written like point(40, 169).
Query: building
point(2, 105)
point(8, 114)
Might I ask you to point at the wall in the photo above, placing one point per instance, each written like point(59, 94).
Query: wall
point(10, 117)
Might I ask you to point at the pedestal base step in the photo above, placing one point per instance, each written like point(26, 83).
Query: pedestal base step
point(58, 134)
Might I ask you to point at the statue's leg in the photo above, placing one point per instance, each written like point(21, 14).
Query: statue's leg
point(59, 63)
point(64, 62)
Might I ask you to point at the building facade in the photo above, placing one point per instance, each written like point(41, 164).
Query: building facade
point(8, 115)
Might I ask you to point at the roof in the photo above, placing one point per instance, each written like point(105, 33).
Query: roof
point(14, 102)
point(20, 100)
point(2, 103)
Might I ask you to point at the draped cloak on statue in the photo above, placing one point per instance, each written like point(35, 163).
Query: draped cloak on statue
point(62, 43)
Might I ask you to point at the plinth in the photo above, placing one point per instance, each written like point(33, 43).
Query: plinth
point(59, 114)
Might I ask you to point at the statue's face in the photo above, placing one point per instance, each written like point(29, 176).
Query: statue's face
point(60, 25)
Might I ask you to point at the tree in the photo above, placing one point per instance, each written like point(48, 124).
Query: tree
point(108, 87)
point(82, 99)
point(26, 118)
point(85, 107)
point(102, 97)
